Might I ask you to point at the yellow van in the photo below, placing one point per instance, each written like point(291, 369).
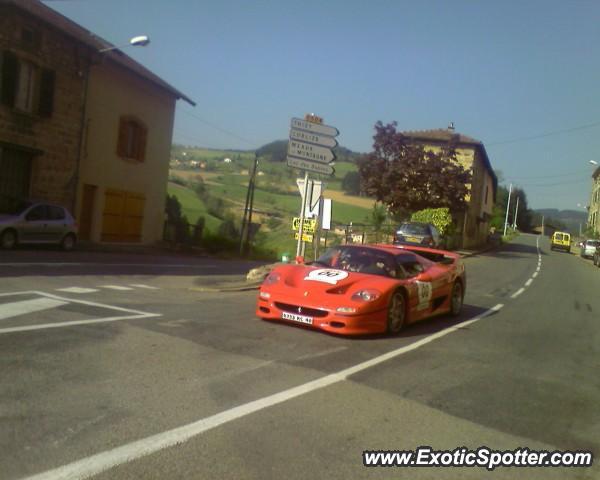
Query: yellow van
point(561, 241)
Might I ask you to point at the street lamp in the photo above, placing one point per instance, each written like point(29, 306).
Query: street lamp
point(139, 41)
point(593, 162)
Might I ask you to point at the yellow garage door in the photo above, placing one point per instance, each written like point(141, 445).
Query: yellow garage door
point(123, 216)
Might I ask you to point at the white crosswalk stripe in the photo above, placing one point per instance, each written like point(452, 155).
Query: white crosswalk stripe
point(77, 290)
point(14, 309)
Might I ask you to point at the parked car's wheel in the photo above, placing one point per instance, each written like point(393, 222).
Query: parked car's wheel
point(68, 242)
point(8, 239)
point(456, 299)
point(396, 313)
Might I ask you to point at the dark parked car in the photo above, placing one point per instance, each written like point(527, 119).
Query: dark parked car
point(597, 256)
point(416, 233)
point(37, 223)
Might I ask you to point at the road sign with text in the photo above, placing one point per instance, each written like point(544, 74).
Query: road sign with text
point(318, 128)
point(314, 138)
point(321, 168)
point(310, 152)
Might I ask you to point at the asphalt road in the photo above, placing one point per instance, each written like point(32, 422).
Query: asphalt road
point(119, 370)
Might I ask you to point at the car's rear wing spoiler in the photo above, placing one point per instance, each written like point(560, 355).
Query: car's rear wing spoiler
point(438, 256)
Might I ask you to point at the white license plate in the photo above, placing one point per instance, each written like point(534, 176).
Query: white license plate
point(297, 318)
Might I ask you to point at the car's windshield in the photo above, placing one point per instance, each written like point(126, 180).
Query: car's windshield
point(593, 243)
point(413, 229)
point(359, 259)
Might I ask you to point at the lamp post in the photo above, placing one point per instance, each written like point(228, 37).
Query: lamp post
point(139, 41)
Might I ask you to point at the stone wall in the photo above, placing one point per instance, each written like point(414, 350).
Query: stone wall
point(56, 137)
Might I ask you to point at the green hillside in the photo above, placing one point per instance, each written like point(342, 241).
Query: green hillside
point(276, 197)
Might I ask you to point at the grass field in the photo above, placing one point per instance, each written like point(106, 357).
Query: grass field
point(232, 187)
point(192, 207)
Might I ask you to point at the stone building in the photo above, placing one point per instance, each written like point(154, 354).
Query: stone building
point(82, 126)
point(474, 224)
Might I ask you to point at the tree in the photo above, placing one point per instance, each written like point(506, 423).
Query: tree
point(351, 183)
point(407, 177)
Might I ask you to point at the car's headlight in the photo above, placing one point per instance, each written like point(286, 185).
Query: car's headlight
point(265, 295)
point(272, 278)
point(368, 295)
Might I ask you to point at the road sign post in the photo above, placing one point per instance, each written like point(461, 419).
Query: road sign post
point(309, 149)
point(302, 211)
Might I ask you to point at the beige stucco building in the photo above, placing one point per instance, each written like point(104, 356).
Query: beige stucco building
point(473, 225)
point(594, 210)
point(85, 128)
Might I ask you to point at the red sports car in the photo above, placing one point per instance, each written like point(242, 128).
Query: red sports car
point(364, 289)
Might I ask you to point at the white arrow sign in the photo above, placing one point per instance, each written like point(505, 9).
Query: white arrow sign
point(321, 168)
point(315, 188)
point(314, 127)
point(308, 151)
point(314, 138)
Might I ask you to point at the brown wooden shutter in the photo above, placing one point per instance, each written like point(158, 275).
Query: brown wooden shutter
point(8, 78)
point(122, 138)
point(46, 104)
point(141, 144)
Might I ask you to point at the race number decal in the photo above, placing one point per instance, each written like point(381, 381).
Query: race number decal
point(424, 291)
point(326, 275)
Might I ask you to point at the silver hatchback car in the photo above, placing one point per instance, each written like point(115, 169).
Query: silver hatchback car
point(588, 248)
point(37, 223)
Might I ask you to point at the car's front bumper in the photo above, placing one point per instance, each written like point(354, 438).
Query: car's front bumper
point(326, 319)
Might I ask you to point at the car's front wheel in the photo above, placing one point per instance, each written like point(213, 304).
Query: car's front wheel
point(456, 300)
point(396, 313)
point(68, 242)
point(8, 239)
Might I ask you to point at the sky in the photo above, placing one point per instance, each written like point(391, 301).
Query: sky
point(522, 76)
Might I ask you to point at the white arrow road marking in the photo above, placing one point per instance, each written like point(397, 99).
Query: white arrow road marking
point(14, 309)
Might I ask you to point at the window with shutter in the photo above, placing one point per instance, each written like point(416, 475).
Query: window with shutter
point(46, 103)
point(26, 87)
point(8, 78)
point(131, 142)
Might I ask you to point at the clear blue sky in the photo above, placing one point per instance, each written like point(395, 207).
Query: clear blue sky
point(500, 70)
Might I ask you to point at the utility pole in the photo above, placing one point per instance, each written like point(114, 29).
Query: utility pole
point(507, 208)
point(247, 218)
point(542, 225)
point(516, 213)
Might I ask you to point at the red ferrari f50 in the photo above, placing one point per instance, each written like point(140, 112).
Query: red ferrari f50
point(364, 289)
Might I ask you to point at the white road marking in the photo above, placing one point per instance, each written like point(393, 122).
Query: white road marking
point(100, 462)
point(115, 287)
point(141, 285)
point(23, 307)
point(76, 290)
point(528, 282)
point(538, 268)
point(517, 293)
point(535, 274)
point(133, 314)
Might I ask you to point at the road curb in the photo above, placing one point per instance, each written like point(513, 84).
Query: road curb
point(233, 287)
